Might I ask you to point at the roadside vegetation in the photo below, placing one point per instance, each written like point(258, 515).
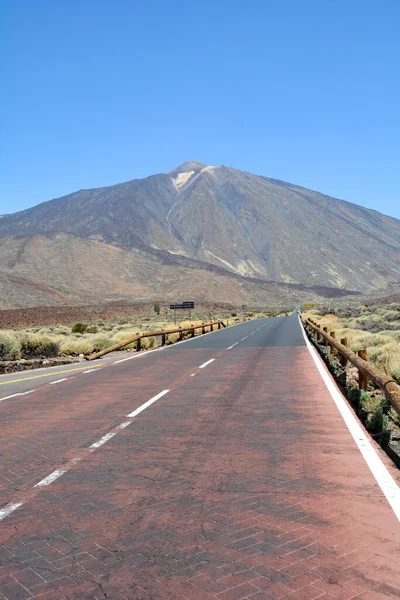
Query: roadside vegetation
point(52, 341)
point(375, 328)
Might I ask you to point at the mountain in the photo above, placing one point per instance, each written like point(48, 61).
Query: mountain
point(200, 230)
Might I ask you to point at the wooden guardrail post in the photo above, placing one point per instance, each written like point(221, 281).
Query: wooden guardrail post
point(362, 377)
point(180, 335)
point(333, 349)
point(203, 329)
point(192, 332)
point(163, 339)
point(343, 359)
point(325, 340)
point(138, 345)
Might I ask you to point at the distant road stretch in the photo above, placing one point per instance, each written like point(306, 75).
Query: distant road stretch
point(224, 467)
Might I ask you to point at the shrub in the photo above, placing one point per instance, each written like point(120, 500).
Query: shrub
point(157, 307)
point(392, 315)
point(10, 347)
point(148, 342)
point(233, 314)
point(173, 338)
point(101, 342)
point(79, 328)
point(35, 345)
point(379, 422)
point(76, 347)
point(61, 330)
point(92, 329)
point(124, 335)
point(357, 397)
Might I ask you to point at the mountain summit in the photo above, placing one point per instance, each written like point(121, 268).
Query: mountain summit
point(190, 165)
point(162, 234)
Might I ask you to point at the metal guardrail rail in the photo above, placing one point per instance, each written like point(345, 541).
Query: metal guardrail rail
point(162, 333)
point(365, 369)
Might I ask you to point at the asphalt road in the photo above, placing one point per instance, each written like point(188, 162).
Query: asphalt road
point(220, 467)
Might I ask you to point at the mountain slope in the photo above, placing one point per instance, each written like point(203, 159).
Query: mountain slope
point(216, 219)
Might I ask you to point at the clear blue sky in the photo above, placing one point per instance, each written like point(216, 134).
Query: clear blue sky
point(96, 92)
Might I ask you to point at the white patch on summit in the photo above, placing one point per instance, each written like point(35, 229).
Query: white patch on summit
point(208, 169)
point(181, 178)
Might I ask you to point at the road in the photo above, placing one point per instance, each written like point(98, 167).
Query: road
point(224, 467)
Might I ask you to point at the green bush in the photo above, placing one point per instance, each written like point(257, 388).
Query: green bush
point(92, 329)
point(61, 330)
point(101, 342)
point(357, 397)
point(148, 342)
point(233, 314)
point(379, 422)
point(79, 328)
point(125, 335)
point(173, 338)
point(35, 345)
point(10, 347)
point(157, 308)
point(76, 347)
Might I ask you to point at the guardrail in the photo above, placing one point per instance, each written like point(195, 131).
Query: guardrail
point(162, 333)
point(365, 370)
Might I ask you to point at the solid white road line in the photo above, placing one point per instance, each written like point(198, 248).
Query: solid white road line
point(58, 381)
point(382, 476)
point(148, 403)
point(125, 359)
point(207, 363)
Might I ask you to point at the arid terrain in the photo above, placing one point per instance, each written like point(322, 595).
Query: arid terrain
point(81, 331)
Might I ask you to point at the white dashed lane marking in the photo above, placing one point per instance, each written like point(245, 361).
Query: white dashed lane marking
point(206, 363)
point(18, 394)
point(103, 440)
point(12, 506)
point(58, 381)
point(148, 403)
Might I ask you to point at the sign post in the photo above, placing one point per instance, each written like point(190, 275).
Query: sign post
point(182, 306)
point(188, 305)
point(244, 306)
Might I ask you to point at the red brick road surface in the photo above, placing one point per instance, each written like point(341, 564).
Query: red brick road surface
point(242, 482)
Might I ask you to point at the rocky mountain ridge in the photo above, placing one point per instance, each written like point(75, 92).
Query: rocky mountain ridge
point(246, 228)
